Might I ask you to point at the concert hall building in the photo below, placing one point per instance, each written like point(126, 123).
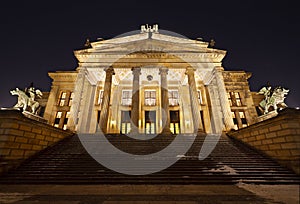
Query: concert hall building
point(150, 82)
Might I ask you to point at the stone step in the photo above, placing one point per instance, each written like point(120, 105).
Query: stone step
point(229, 163)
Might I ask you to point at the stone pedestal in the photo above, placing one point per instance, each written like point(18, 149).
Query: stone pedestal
point(267, 116)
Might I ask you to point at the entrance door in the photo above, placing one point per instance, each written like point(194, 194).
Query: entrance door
point(125, 122)
point(175, 122)
point(150, 122)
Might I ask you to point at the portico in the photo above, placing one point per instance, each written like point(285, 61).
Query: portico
point(149, 83)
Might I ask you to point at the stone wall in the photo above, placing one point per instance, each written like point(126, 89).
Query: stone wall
point(278, 138)
point(21, 138)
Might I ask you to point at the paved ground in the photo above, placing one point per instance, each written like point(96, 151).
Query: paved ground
point(151, 194)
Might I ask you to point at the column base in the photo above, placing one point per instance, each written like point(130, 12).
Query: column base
point(200, 132)
point(166, 131)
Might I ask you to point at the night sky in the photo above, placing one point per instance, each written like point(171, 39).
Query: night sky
point(262, 37)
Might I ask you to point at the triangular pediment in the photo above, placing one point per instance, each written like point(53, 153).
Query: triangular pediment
point(144, 49)
point(150, 42)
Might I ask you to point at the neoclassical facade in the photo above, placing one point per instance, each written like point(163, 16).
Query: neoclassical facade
point(150, 82)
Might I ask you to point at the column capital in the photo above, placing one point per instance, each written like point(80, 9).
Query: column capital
point(190, 70)
point(163, 71)
point(218, 69)
point(109, 70)
point(136, 70)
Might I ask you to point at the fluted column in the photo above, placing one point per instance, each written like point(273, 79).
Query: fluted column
point(225, 106)
point(198, 127)
point(76, 104)
point(135, 105)
point(165, 100)
point(106, 99)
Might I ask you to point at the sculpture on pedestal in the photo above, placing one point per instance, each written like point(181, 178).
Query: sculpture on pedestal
point(26, 99)
point(273, 98)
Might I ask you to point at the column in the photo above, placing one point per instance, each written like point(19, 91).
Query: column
point(135, 105)
point(198, 127)
point(90, 110)
point(75, 108)
point(106, 99)
point(225, 106)
point(50, 112)
point(165, 100)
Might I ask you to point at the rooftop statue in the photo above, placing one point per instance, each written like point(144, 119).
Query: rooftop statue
point(26, 99)
point(274, 98)
point(146, 28)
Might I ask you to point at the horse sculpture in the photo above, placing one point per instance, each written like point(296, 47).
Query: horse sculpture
point(24, 101)
point(273, 98)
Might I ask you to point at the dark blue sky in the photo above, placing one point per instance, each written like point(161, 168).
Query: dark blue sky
point(261, 37)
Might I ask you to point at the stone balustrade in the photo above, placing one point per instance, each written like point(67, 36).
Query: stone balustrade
point(22, 137)
point(278, 138)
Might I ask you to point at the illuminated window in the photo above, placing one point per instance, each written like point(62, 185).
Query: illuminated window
point(126, 97)
point(200, 97)
point(237, 99)
point(71, 99)
point(243, 119)
point(62, 98)
point(66, 120)
point(235, 122)
point(100, 97)
point(57, 119)
point(150, 98)
point(234, 99)
point(229, 98)
point(173, 98)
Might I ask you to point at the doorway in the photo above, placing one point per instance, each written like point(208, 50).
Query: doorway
point(125, 122)
point(150, 122)
point(175, 122)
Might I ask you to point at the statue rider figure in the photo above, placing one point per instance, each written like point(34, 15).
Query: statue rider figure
point(27, 98)
point(268, 93)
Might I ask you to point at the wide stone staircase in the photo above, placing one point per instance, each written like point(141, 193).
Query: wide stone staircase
point(230, 162)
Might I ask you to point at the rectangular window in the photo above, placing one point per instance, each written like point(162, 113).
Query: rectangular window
point(173, 98)
point(126, 97)
point(100, 97)
point(66, 120)
point(200, 97)
point(234, 98)
point(235, 122)
point(238, 99)
point(57, 119)
point(62, 98)
point(229, 98)
point(150, 98)
point(71, 99)
point(243, 119)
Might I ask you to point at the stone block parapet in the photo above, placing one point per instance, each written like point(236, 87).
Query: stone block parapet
point(22, 137)
point(277, 137)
